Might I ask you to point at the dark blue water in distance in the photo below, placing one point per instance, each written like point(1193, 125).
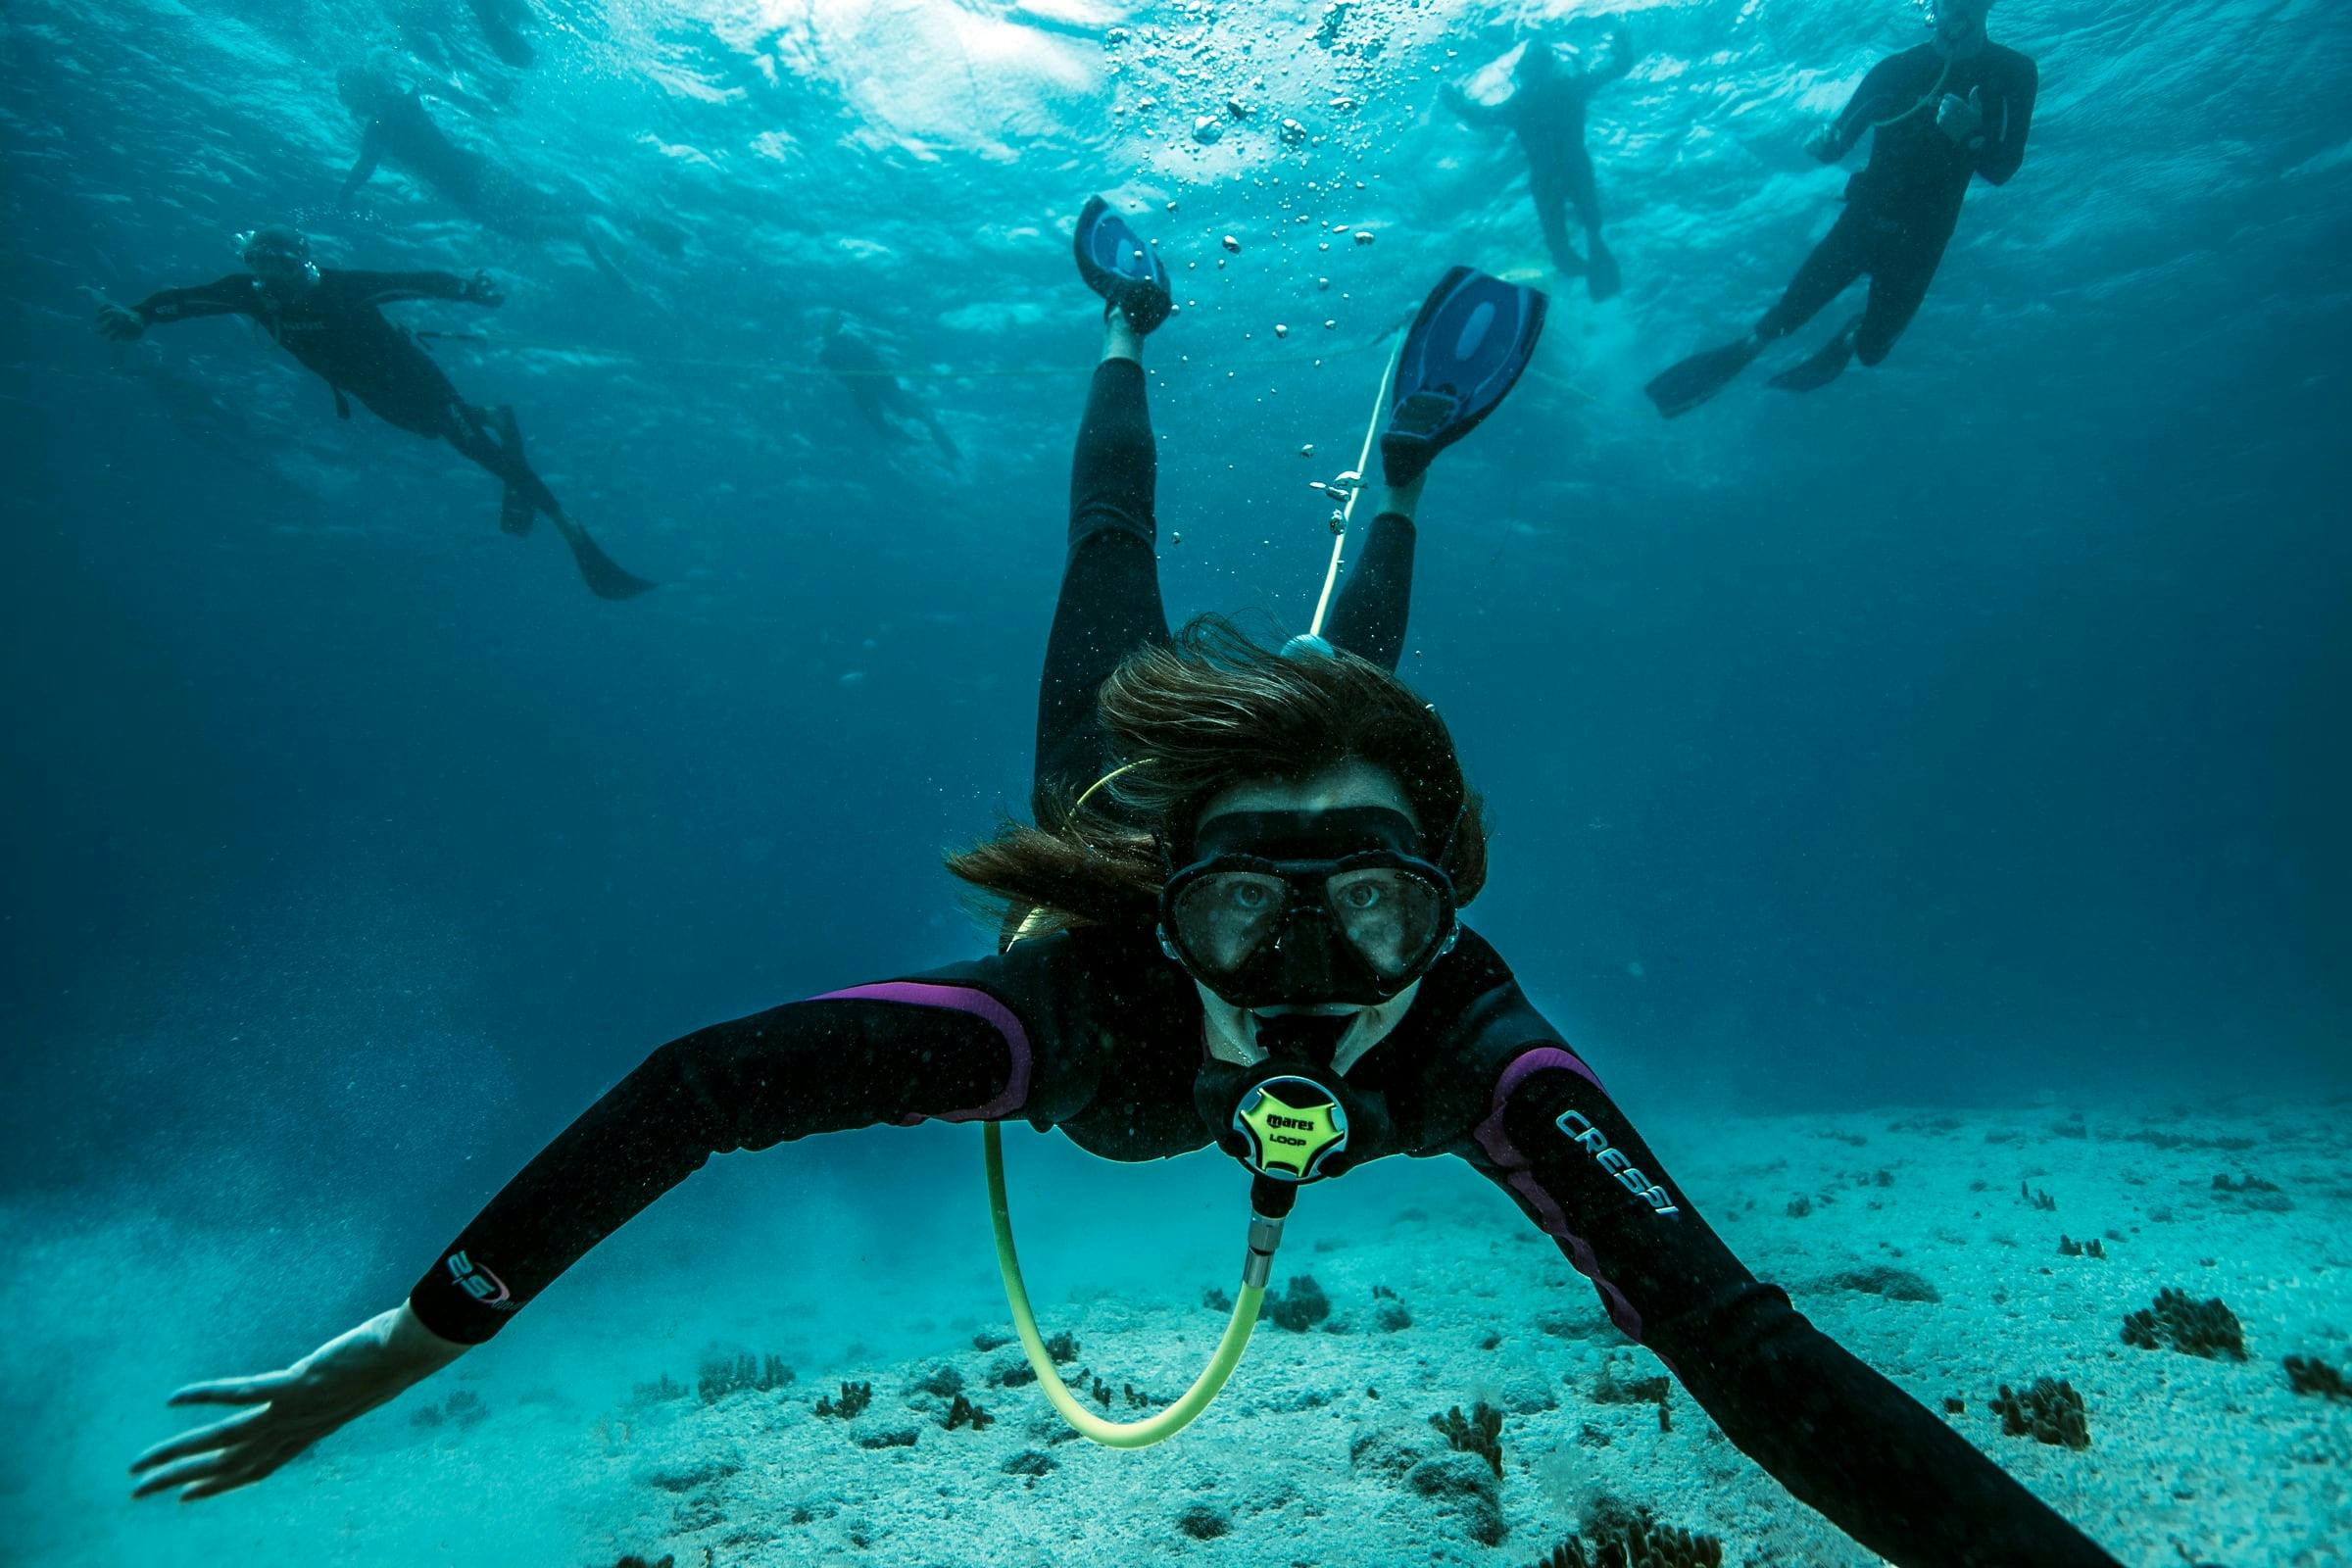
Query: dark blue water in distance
point(1971, 733)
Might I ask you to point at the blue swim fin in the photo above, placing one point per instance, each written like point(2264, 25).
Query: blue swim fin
point(1464, 352)
point(1118, 266)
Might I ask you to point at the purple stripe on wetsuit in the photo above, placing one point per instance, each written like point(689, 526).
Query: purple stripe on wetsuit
point(1522, 1181)
point(958, 999)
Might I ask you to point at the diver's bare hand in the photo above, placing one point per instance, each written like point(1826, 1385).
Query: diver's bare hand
point(342, 1380)
point(118, 325)
point(1824, 145)
point(482, 289)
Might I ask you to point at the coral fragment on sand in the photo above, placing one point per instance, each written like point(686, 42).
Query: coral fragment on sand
point(1299, 1306)
point(2193, 1328)
point(2049, 1412)
point(1635, 1541)
point(854, 1397)
point(963, 1412)
point(2307, 1374)
point(1481, 1433)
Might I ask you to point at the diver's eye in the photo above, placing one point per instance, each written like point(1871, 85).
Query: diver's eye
point(1250, 896)
point(1361, 896)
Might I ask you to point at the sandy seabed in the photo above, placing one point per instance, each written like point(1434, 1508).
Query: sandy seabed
point(1322, 1451)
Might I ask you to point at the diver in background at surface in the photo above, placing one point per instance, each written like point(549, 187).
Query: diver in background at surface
point(502, 23)
point(887, 403)
point(1545, 111)
point(1261, 886)
point(329, 319)
point(1950, 111)
point(399, 128)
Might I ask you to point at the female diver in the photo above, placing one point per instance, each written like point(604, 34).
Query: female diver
point(1246, 874)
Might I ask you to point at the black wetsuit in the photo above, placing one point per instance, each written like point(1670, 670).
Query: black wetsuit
point(879, 395)
point(1902, 208)
point(337, 330)
point(400, 128)
point(1096, 1033)
point(1547, 116)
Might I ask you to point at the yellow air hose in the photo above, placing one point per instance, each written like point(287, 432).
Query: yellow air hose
point(1265, 1234)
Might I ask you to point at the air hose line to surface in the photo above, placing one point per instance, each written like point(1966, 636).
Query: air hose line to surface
point(1265, 1234)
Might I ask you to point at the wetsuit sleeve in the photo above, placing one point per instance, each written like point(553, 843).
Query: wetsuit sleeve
point(1616, 59)
point(2006, 123)
point(371, 149)
point(228, 296)
point(896, 1053)
point(386, 288)
point(1841, 1436)
point(1880, 95)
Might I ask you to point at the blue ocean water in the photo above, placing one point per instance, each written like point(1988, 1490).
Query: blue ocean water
point(1963, 735)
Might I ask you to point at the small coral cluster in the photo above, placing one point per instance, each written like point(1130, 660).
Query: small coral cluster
point(722, 1376)
point(2049, 1412)
point(963, 1412)
point(1299, 1307)
point(2193, 1328)
point(464, 1408)
point(2069, 1248)
point(2309, 1375)
point(2036, 1198)
point(1632, 1538)
point(1481, 1433)
point(854, 1397)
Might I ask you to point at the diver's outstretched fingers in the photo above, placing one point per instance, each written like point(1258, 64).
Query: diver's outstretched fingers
point(236, 1391)
point(242, 1475)
point(202, 1468)
point(203, 1440)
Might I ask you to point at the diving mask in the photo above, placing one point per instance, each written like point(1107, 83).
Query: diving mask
point(1307, 908)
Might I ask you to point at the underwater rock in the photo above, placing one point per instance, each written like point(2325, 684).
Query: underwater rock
point(2193, 1328)
point(1299, 1306)
point(2252, 1192)
point(2049, 1412)
point(1799, 1207)
point(900, 1437)
point(1610, 1388)
point(1527, 1391)
point(1030, 1462)
point(1388, 1451)
point(1463, 1485)
point(1481, 1433)
point(944, 1383)
point(990, 1340)
point(1202, 1522)
point(1895, 1283)
point(687, 1477)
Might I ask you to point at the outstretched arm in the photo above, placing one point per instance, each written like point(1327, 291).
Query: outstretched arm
point(1470, 108)
point(389, 289)
point(1614, 57)
point(1838, 1435)
point(372, 150)
point(228, 296)
point(896, 1053)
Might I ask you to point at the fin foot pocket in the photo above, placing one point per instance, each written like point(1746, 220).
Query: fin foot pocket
point(1461, 357)
point(1116, 263)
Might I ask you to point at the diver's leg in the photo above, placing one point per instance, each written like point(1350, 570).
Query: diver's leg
point(1547, 185)
point(1368, 618)
point(470, 429)
point(1601, 277)
point(1109, 603)
point(1836, 262)
point(1898, 286)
